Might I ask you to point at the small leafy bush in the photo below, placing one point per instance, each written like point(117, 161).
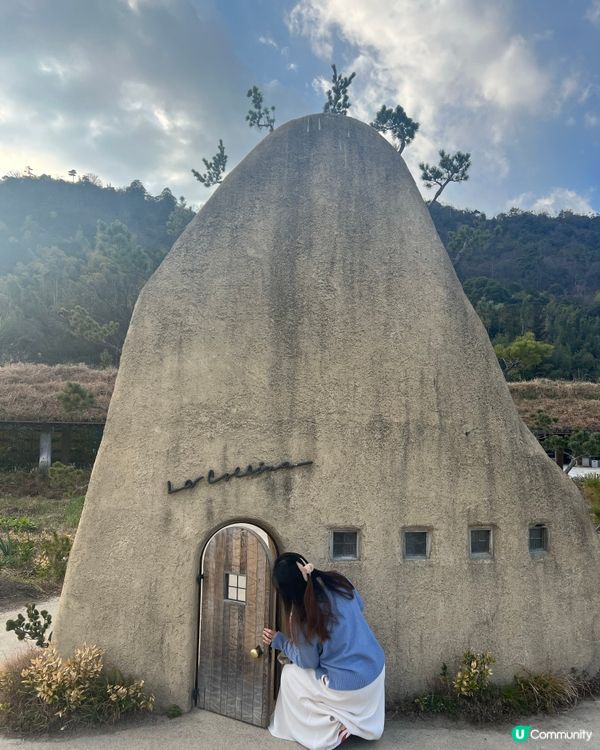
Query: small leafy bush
point(51, 562)
point(474, 674)
point(173, 711)
point(32, 627)
point(17, 523)
point(15, 551)
point(41, 691)
point(67, 479)
point(8, 549)
point(470, 695)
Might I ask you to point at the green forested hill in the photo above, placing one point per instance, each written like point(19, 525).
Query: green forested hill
point(38, 212)
point(559, 255)
point(73, 258)
point(530, 272)
point(74, 255)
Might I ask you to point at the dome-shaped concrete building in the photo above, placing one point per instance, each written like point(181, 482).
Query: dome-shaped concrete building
point(304, 372)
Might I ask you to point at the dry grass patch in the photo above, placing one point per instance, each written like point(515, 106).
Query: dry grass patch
point(14, 695)
point(574, 405)
point(30, 392)
point(40, 691)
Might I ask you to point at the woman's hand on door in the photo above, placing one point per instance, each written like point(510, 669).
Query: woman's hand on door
point(267, 636)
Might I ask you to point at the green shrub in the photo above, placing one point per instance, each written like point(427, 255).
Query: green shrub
point(15, 551)
point(25, 551)
point(17, 523)
point(173, 711)
point(67, 479)
point(18, 710)
point(51, 562)
point(474, 674)
point(40, 691)
point(74, 397)
point(470, 696)
point(590, 489)
point(436, 703)
point(8, 550)
point(32, 627)
point(73, 510)
point(28, 484)
point(591, 485)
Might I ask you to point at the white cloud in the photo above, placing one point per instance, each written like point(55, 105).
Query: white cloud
point(590, 120)
point(589, 91)
point(268, 42)
point(592, 13)
point(292, 66)
point(454, 48)
point(558, 199)
point(115, 89)
point(457, 66)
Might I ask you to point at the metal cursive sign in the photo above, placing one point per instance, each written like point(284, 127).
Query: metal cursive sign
point(238, 472)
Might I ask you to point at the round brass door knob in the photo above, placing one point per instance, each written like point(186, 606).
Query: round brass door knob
point(256, 652)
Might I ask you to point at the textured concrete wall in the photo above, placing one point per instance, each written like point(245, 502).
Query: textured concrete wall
point(310, 312)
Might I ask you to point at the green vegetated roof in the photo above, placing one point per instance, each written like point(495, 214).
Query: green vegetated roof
point(30, 392)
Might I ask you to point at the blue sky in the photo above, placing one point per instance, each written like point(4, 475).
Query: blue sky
point(143, 89)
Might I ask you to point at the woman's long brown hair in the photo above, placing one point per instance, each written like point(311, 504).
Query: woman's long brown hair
point(306, 604)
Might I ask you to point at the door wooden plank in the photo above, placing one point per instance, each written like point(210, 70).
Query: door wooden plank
point(242, 654)
point(225, 645)
point(250, 665)
point(234, 612)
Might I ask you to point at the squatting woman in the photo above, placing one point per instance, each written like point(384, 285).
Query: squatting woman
point(333, 686)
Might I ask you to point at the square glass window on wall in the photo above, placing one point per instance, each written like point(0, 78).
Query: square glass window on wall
point(415, 545)
point(538, 538)
point(480, 542)
point(344, 545)
point(235, 587)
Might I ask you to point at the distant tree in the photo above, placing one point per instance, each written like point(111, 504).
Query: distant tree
point(136, 188)
point(402, 128)
point(258, 116)
point(179, 218)
point(29, 172)
point(83, 325)
point(451, 168)
point(214, 168)
point(91, 178)
point(523, 355)
point(468, 238)
point(578, 443)
point(337, 96)
point(72, 174)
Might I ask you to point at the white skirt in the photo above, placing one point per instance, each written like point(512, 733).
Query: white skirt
point(311, 713)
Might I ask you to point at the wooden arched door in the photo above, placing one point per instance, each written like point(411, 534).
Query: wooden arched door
point(237, 602)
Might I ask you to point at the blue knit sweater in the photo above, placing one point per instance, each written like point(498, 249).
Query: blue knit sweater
point(351, 658)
